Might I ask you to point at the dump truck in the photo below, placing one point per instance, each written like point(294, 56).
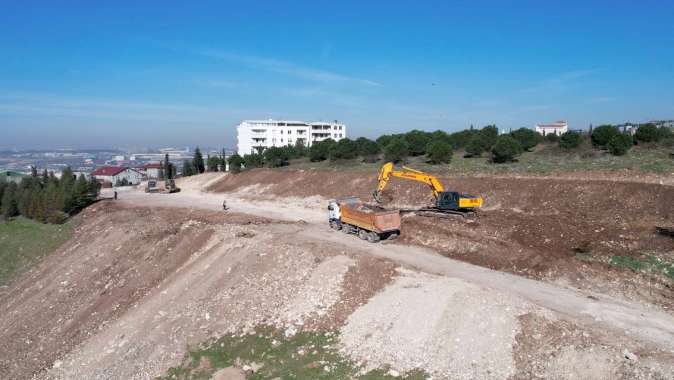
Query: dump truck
point(370, 222)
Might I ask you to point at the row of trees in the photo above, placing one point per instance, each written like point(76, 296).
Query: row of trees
point(46, 198)
point(197, 165)
point(436, 147)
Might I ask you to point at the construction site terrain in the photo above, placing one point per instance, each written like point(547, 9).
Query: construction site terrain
point(554, 278)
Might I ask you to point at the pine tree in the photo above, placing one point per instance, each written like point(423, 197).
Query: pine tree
point(81, 196)
point(45, 177)
point(67, 186)
point(167, 167)
point(33, 171)
point(3, 186)
point(94, 188)
point(9, 203)
point(198, 162)
point(188, 168)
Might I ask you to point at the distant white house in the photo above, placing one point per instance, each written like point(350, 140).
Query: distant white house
point(114, 174)
point(558, 128)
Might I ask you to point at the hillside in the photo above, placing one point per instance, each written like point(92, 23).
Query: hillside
point(169, 285)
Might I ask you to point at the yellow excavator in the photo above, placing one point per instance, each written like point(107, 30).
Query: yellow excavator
point(446, 202)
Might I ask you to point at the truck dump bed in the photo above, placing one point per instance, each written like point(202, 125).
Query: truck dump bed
point(369, 217)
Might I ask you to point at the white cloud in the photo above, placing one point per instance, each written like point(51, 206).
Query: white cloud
point(288, 68)
point(39, 105)
point(560, 82)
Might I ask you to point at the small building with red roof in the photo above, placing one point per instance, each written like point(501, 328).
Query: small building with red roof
point(117, 174)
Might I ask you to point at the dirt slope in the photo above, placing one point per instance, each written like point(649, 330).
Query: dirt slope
point(587, 307)
point(137, 286)
point(140, 284)
point(561, 230)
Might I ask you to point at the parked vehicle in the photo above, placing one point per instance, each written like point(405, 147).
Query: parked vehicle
point(151, 187)
point(369, 222)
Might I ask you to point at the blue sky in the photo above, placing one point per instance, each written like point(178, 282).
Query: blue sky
point(159, 73)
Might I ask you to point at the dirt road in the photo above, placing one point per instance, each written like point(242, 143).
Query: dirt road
point(615, 316)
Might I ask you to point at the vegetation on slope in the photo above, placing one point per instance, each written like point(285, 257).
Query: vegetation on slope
point(306, 355)
point(23, 242)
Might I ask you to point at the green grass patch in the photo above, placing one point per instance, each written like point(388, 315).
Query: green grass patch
point(306, 355)
point(23, 242)
point(648, 263)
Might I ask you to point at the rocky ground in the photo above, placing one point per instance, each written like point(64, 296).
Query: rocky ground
point(140, 285)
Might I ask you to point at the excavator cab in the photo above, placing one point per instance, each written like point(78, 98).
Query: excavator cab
point(451, 200)
point(448, 200)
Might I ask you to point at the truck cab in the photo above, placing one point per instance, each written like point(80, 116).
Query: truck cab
point(334, 214)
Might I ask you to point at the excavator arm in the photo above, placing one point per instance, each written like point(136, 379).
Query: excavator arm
point(445, 201)
point(387, 172)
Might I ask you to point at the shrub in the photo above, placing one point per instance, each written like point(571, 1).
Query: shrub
point(438, 152)
point(647, 133)
point(476, 146)
point(666, 133)
point(551, 138)
point(526, 137)
point(344, 149)
point(397, 150)
point(384, 140)
point(489, 134)
point(570, 140)
point(619, 144)
point(603, 134)
point(368, 149)
point(253, 160)
point(320, 151)
point(441, 136)
point(461, 139)
point(417, 142)
point(275, 157)
point(235, 162)
point(505, 149)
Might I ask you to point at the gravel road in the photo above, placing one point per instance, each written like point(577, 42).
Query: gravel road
point(592, 310)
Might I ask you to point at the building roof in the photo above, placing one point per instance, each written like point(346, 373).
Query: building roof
point(108, 170)
point(556, 124)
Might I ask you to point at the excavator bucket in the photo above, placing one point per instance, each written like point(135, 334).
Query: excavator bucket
point(382, 180)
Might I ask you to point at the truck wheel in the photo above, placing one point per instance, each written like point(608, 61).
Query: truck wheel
point(346, 228)
point(334, 225)
point(373, 237)
point(363, 234)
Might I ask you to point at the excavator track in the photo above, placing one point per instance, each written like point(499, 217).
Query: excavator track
point(438, 213)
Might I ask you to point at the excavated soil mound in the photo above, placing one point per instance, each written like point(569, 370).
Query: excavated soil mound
point(563, 229)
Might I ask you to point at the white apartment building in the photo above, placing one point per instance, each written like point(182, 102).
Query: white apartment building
point(558, 128)
point(259, 134)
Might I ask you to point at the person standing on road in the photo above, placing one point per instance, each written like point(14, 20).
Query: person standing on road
point(115, 195)
point(224, 205)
